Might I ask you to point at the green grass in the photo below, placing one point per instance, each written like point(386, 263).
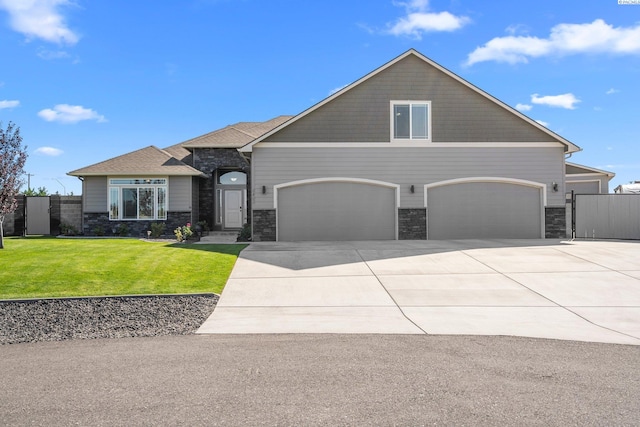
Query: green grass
point(48, 267)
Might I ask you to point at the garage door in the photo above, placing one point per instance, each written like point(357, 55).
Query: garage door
point(336, 210)
point(484, 210)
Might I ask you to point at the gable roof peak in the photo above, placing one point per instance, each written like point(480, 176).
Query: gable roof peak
point(569, 146)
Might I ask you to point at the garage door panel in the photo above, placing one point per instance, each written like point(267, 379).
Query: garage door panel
point(336, 211)
point(476, 210)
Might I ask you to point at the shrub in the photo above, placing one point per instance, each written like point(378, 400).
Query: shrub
point(183, 233)
point(245, 234)
point(122, 230)
point(157, 229)
point(204, 225)
point(67, 229)
point(99, 230)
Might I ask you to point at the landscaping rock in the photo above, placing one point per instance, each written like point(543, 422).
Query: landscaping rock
point(108, 317)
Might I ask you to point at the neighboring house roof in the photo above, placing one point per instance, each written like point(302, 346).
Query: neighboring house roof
point(236, 135)
point(569, 146)
point(576, 169)
point(146, 161)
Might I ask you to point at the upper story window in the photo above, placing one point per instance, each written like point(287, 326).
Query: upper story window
point(138, 198)
point(411, 120)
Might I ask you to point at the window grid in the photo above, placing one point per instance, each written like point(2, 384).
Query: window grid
point(137, 199)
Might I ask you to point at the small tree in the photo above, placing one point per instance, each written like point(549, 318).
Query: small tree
point(12, 159)
point(41, 191)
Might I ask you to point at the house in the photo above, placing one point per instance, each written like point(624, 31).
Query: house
point(409, 151)
point(204, 178)
point(586, 180)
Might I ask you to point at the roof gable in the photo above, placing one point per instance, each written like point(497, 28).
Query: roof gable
point(461, 112)
point(147, 161)
point(576, 169)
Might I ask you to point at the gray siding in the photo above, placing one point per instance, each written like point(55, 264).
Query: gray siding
point(180, 193)
point(95, 194)
point(405, 167)
point(459, 114)
point(589, 186)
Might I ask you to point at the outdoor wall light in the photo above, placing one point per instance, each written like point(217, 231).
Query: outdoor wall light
point(412, 189)
point(264, 189)
point(554, 186)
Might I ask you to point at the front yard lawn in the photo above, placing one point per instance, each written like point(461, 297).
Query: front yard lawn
point(35, 267)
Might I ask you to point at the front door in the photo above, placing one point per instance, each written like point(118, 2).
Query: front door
point(233, 208)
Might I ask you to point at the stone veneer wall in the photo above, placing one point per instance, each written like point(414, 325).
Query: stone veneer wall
point(207, 160)
point(555, 223)
point(264, 225)
point(412, 224)
point(136, 228)
point(65, 210)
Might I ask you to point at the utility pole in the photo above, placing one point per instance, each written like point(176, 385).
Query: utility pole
point(29, 175)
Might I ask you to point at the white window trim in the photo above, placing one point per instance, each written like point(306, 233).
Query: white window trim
point(155, 198)
point(392, 121)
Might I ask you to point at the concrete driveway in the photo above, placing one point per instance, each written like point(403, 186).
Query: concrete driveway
point(581, 290)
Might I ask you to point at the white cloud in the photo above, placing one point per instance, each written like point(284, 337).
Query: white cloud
point(418, 20)
point(9, 104)
point(564, 39)
point(49, 151)
point(65, 113)
point(566, 100)
point(612, 91)
point(543, 123)
point(523, 107)
point(52, 54)
point(40, 19)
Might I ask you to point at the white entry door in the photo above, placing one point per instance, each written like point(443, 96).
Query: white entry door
point(233, 209)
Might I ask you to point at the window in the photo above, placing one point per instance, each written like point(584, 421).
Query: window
point(137, 198)
point(233, 178)
point(411, 120)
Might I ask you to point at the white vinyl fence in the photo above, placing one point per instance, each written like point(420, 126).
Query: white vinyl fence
point(607, 216)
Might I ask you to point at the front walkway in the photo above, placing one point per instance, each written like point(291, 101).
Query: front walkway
point(584, 290)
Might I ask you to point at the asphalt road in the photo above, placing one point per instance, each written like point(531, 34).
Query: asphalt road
point(319, 380)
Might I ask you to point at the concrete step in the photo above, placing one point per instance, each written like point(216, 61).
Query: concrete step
point(220, 237)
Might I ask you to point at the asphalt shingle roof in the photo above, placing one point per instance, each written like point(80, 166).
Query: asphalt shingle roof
point(236, 135)
point(147, 161)
point(175, 160)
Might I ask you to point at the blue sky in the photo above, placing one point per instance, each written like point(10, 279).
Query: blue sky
point(90, 80)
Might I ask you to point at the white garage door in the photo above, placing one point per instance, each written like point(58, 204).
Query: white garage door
point(336, 210)
point(485, 210)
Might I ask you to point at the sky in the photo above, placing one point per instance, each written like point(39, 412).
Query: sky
point(90, 80)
